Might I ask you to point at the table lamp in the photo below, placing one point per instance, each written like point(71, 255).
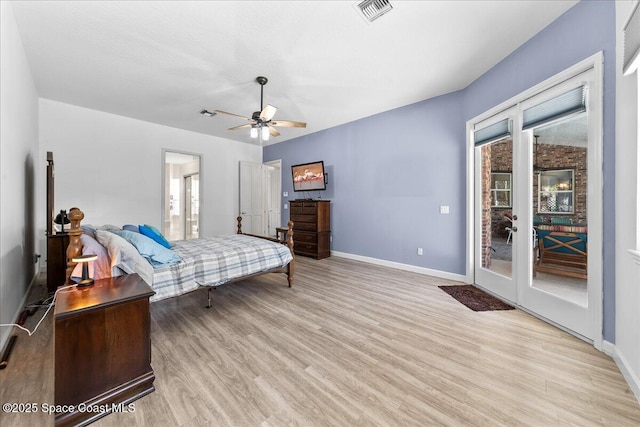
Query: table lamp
point(85, 259)
point(61, 219)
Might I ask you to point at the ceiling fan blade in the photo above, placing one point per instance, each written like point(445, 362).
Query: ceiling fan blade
point(268, 112)
point(232, 114)
point(289, 124)
point(241, 127)
point(273, 131)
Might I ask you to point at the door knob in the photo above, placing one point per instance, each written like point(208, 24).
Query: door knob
point(515, 229)
point(515, 217)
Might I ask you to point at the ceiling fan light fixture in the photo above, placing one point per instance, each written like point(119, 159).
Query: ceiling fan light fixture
point(260, 123)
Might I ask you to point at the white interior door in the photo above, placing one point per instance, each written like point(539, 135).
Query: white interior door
point(562, 189)
point(274, 185)
point(495, 148)
point(252, 198)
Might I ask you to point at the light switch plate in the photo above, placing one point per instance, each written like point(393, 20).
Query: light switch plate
point(285, 194)
point(444, 209)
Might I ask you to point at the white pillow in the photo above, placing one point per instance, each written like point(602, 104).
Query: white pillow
point(124, 256)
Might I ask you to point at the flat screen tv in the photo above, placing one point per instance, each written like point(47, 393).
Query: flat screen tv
point(308, 176)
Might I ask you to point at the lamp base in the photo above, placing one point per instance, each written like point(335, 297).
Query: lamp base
point(84, 282)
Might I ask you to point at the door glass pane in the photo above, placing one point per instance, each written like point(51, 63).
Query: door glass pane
point(496, 206)
point(560, 223)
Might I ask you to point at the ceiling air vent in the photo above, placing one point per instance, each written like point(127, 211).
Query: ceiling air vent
point(373, 9)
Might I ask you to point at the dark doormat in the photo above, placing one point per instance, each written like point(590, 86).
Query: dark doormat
point(475, 299)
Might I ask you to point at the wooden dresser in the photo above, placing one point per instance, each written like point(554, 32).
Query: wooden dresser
point(311, 227)
point(102, 341)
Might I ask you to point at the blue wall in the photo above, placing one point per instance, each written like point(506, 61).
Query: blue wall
point(387, 176)
point(389, 173)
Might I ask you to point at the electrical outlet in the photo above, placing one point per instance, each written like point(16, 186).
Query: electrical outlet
point(444, 209)
point(330, 238)
point(286, 206)
point(419, 251)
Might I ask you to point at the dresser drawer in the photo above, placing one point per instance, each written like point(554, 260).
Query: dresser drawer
point(304, 226)
point(302, 218)
point(306, 210)
point(308, 248)
point(302, 237)
point(295, 210)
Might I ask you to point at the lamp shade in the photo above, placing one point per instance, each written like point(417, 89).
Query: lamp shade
point(62, 218)
point(85, 259)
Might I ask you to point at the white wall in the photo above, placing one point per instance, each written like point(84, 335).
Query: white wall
point(627, 346)
point(110, 167)
point(18, 158)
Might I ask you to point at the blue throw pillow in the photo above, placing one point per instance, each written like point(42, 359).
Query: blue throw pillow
point(156, 254)
point(130, 227)
point(153, 233)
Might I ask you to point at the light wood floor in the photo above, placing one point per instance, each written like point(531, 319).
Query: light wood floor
point(351, 344)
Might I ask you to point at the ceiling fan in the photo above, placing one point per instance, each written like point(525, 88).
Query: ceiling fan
point(261, 122)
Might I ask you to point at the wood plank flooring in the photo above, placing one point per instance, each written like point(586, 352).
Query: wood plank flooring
point(351, 344)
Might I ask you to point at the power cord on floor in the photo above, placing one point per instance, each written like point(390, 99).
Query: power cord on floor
point(51, 304)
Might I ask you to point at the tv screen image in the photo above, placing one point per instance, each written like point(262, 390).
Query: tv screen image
point(308, 176)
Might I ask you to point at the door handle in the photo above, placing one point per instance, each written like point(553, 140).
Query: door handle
point(514, 229)
point(515, 217)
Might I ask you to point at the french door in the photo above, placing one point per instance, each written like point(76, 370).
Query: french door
point(495, 226)
point(538, 204)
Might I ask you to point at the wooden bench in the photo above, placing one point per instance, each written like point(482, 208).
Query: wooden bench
point(562, 250)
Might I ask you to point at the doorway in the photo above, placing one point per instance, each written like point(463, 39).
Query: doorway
point(181, 195)
point(537, 219)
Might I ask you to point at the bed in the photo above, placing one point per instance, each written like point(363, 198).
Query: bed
point(191, 264)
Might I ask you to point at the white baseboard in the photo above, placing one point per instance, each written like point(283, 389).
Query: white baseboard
point(6, 330)
point(627, 372)
point(608, 348)
point(400, 266)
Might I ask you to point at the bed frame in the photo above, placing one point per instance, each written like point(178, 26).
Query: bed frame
point(75, 249)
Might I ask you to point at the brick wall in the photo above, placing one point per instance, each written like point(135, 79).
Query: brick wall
point(549, 157)
point(564, 157)
point(486, 205)
point(501, 161)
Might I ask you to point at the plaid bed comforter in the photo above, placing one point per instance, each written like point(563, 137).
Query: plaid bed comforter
point(214, 261)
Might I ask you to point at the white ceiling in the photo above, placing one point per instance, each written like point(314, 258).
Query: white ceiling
point(165, 61)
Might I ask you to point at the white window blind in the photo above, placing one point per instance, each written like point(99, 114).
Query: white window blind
point(492, 133)
point(572, 102)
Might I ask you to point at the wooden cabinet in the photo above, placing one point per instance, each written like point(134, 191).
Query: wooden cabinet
point(311, 227)
point(56, 260)
point(102, 341)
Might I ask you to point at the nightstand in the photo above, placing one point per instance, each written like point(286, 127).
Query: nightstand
point(102, 341)
point(56, 260)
